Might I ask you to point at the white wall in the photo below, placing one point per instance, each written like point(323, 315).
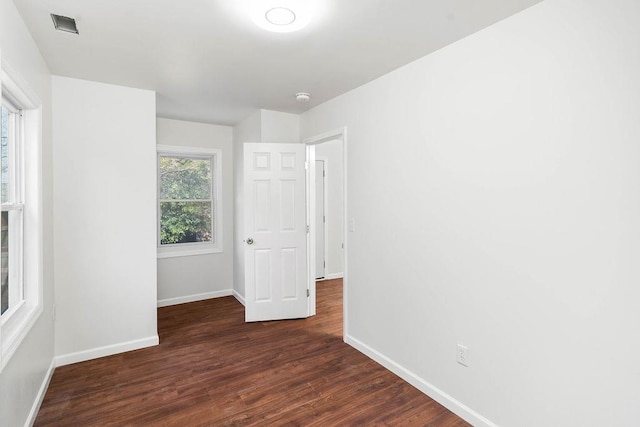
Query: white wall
point(27, 372)
point(104, 218)
point(249, 130)
point(495, 189)
point(331, 152)
point(261, 126)
point(190, 278)
point(279, 127)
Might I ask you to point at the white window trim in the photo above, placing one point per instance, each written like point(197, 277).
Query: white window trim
point(200, 248)
point(15, 326)
point(15, 206)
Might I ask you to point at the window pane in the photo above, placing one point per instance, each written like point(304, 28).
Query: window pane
point(4, 287)
point(185, 222)
point(185, 178)
point(4, 153)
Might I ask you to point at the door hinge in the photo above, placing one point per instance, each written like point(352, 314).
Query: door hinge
point(307, 229)
point(308, 293)
point(306, 165)
point(324, 264)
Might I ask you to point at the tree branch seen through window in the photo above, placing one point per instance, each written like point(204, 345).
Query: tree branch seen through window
point(186, 200)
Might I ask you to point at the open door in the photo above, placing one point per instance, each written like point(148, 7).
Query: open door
point(276, 232)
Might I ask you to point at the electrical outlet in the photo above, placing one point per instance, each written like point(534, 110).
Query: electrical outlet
point(463, 355)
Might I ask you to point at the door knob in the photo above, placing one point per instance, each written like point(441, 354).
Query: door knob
point(249, 241)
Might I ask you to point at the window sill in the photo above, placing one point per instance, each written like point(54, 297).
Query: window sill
point(15, 328)
point(187, 252)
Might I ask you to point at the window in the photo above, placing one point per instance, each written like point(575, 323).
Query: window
point(12, 208)
point(21, 214)
point(188, 206)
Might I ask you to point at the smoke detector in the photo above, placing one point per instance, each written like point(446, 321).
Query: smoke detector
point(303, 97)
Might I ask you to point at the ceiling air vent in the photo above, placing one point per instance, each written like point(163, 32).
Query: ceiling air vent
point(64, 23)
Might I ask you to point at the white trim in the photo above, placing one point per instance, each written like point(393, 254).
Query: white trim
point(195, 297)
point(107, 350)
point(31, 419)
point(331, 277)
point(16, 327)
point(340, 134)
point(20, 323)
point(421, 384)
point(190, 252)
point(20, 90)
point(239, 297)
point(326, 136)
point(177, 149)
point(310, 207)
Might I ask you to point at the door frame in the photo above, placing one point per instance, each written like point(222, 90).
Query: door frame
point(325, 255)
point(310, 143)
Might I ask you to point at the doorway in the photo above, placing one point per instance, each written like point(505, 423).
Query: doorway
point(326, 210)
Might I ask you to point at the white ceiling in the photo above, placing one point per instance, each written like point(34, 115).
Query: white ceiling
point(209, 63)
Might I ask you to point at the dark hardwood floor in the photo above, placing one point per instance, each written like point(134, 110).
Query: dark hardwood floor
point(211, 368)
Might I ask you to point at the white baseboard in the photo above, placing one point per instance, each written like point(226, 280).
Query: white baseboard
point(430, 390)
point(239, 297)
point(108, 350)
point(40, 396)
point(331, 277)
point(193, 298)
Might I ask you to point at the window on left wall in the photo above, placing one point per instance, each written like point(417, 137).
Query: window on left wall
point(12, 208)
point(21, 214)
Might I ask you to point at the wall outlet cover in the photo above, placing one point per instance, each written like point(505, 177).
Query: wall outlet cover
point(463, 355)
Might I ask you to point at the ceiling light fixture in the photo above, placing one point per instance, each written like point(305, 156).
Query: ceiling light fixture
point(280, 16)
point(64, 23)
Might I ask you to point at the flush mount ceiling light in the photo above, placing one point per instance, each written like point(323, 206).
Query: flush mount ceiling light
point(280, 16)
point(283, 16)
point(64, 23)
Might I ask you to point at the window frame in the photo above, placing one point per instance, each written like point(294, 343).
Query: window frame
point(15, 209)
point(18, 320)
point(193, 248)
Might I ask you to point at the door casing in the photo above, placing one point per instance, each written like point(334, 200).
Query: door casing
point(338, 134)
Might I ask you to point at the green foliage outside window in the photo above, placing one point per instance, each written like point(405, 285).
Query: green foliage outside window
point(185, 200)
point(4, 153)
point(4, 233)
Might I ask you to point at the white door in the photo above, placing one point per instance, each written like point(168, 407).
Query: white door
point(276, 232)
point(320, 220)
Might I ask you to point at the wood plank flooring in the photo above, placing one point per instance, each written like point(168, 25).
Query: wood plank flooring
point(213, 369)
